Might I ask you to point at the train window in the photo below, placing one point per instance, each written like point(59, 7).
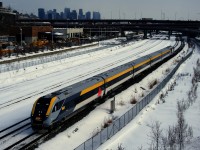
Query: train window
point(42, 105)
point(57, 106)
point(69, 105)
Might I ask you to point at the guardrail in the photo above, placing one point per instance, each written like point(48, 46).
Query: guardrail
point(100, 138)
point(29, 61)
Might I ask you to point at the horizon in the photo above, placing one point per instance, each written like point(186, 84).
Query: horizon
point(115, 9)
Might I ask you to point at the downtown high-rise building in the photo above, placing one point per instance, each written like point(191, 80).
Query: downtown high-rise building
point(73, 15)
point(96, 16)
point(88, 15)
point(41, 13)
point(67, 14)
point(81, 15)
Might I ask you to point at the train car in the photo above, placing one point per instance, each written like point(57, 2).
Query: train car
point(160, 55)
point(55, 107)
point(62, 104)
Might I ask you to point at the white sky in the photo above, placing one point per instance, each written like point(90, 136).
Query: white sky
point(128, 9)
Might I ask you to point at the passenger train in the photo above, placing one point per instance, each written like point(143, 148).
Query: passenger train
point(53, 108)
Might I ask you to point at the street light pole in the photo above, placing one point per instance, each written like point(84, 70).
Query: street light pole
point(52, 36)
point(21, 36)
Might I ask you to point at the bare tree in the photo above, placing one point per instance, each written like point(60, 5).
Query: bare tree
point(164, 143)
point(140, 148)
point(181, 127)
point(120, 147)
point(156, 135)
point(171, 137)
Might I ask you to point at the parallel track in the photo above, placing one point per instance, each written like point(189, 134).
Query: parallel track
point(60, 84)
point(15, 130)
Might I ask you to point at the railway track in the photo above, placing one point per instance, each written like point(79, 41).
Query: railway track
point(14, 132)
point(20, 135)
point(60, 84)
point(34, 140)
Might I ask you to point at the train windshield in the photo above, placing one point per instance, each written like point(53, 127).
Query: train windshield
point(42, 106)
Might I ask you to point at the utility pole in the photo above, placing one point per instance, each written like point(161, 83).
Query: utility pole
point(21, 36)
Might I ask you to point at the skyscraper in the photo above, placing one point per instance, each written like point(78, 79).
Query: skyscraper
point(88, 15)
point(41, 13)
point(74, 15)
point(67, 13)
point(80, 14)
point(96, 16)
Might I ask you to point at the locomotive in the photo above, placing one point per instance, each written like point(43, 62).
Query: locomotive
point(60, 105)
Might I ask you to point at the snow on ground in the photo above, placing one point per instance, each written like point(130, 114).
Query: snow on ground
point(81, 60)
point(25, 83)
point(36, 81)
point(134, 134)
point(58, 49)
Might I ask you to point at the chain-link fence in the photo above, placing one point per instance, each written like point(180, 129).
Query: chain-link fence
point(100, 138)
point(45, 59)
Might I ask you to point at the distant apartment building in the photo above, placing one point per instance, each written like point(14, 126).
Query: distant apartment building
point(81, 16)
point(96, 16)
point(88, 15)
point(7, 19)
point(73, 15)
point(67, 14)
point(41, 13)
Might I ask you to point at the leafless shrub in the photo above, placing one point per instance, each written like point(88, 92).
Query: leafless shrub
point(120, 147)
point(140, 148)
point(196, 70)
point(161, 96)
point(107, 122)
point(68, 135)
point(176, 135)
point(121, 103)
point(171, 137)
point(163, 100)
point(164, 143)
point(153, 83)
point(95, 132)
point(158, 102)
point(192, 94)
point(133, 100)
point(181, 127)
point(182, 106)
point(176, 61)
point(142, 94)
point(136, 90)
point(156, 135)
point(171, 87)
point(167, 70)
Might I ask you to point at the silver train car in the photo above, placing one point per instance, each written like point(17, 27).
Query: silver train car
point(51, 109)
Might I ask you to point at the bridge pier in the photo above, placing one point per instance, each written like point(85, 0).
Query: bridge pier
point(150, 32)
point(122, 33)
point(169, 34)
point(145, 34)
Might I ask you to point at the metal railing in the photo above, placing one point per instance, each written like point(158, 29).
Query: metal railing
point(44, 59)
point(101, 137)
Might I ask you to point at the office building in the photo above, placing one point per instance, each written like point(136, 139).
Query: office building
point(41, 13)
point(88, 15)
point(96, 16)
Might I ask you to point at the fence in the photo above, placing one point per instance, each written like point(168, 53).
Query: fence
point(45, 59)
point(94, 142)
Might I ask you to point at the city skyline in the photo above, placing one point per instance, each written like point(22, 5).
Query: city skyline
point(117, 9)
point(68, 13)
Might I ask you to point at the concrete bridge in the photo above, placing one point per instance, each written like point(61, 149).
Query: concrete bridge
point(190, 28)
